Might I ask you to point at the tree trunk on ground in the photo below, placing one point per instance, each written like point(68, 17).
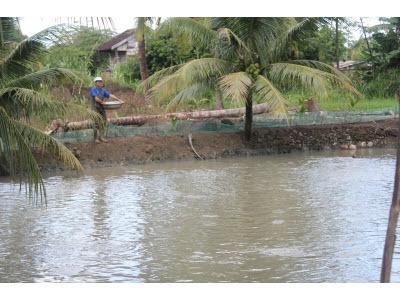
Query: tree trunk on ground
point(219, 99)
point(337, 42)
point(393, 218)
point(248, 117)
point(140, 120)
point(144, 71)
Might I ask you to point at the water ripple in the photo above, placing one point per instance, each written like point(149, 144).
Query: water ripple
point(318, 217)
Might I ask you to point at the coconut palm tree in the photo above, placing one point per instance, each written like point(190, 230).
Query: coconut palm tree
point(245, 66)
point(21, 96)
point(140, 38)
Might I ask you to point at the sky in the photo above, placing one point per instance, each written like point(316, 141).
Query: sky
point(40, 14)
point(31, 25)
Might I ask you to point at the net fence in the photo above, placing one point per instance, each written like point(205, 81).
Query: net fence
point(182, 127)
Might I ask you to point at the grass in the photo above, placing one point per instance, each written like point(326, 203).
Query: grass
point(339, 102)
point(336, 101)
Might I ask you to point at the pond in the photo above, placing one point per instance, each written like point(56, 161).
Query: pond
point(300, 217)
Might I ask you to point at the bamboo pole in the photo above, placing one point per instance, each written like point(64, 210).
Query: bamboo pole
point(393, 216)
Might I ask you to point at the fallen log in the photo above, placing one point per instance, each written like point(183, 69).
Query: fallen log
point(141, 119)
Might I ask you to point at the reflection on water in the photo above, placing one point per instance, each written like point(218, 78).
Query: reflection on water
point(317, 217)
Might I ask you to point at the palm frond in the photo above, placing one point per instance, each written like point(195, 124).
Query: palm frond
point(267, 92)
point(187, 94)
point(156, 77)
point(292, 29)
point(83, 114)
point(23, 102)
point(167, 87)
point(229, 35)
point(194, 71)
point(96, 118)
point(273, 36)
point(231, 47)
point(197, 32)
point(57, 34)
point(41, 141)
point(45, 76)
point(9, 30)
point(379, 27)
point(236, 86)
point(18, 156)
point(20, 60)
point(339, 77)
point(204, 68)
point(312, 79)
point(257, 33)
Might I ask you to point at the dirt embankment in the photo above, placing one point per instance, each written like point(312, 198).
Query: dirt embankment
point(140, 149)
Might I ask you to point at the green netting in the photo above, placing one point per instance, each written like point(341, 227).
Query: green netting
point(214, 125)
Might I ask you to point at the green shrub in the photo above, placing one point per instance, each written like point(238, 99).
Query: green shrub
point(128, 72)
point(384, 84)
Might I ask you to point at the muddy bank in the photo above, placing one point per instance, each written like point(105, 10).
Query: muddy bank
point(141, 149)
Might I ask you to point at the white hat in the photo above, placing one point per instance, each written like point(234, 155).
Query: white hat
point(98, 78)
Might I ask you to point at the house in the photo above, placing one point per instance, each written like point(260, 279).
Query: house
point(347, 65)
point(120, 47)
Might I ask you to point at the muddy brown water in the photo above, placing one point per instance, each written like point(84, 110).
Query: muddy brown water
point(305, 217)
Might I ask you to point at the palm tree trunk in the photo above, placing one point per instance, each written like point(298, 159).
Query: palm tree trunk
point(393, 218)
point(1, 32)
point(248, 117)
point(144, 71)
point(337, 41)
point(369, 48)
point(218, 99)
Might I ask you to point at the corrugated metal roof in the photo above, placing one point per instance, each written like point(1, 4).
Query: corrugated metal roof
point(116, 39)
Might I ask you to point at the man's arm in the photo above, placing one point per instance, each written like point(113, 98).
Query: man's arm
point(98, 100)
point(115, 97)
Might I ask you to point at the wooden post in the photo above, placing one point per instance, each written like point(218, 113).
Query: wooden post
point(248, 117)
point(219, 103)
point(310, 105)
point(393, 216)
